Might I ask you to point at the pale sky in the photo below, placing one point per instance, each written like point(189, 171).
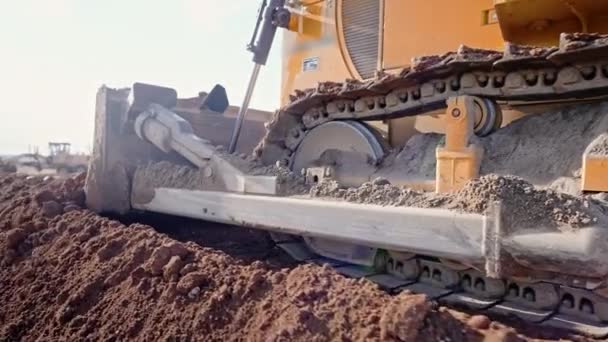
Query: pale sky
point(54, 55)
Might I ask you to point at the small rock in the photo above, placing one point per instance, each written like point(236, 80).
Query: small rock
point(194, 292)
point(479, 322)
point(44, 196)
point(51, 209)
point(190, 281)
point(381, 181)
point(172, 268)
point(161, 256)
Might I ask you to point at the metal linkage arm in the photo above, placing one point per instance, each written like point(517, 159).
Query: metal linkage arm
point(271, 16)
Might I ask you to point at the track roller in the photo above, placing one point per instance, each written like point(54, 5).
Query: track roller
point(488, 116)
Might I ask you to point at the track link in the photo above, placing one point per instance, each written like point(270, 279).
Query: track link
point(539, 303)
point(578, 69)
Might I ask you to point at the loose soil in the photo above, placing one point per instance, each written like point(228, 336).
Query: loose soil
point(544, 149)
point(547, 162)
point(166, 174)
point(524, 206)
point(68, 274)
point(599, 146)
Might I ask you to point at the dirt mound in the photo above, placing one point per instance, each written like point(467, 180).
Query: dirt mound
point(416, 159)
point(379, 191)
point(524, 206)
point(69, 274)
point(599, 146)
point(540, 148)
point(167, 174)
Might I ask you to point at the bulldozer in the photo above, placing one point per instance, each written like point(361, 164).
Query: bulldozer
point(410, 99)
point(6, 166)
point(61, 158)
point(60, 161)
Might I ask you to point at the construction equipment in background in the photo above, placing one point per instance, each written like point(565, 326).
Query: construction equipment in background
point(381, 117)
point(64, 161)
point(32, 164)
point(6, 166)
point(60, 161)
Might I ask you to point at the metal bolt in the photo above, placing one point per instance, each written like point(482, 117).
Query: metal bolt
point(456, 112)
point(207, 172)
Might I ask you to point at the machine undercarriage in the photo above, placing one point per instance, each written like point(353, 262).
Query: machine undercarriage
point(319, 153)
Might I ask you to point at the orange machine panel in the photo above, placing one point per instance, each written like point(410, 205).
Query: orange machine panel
point(425, 27)
point(313, 40)
point(540, 22)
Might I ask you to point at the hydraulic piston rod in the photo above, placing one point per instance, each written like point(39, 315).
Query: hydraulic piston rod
point(244, 107)
point(271, 16)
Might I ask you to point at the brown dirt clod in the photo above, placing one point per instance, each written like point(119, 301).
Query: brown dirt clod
point(162, 255)
point(51, 209)
point(14, 237)
point(479, 322)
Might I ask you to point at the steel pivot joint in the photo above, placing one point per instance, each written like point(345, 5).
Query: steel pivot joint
point(272, 15)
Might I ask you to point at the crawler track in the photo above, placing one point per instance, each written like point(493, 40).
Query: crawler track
point(253, 245)
point(542, 304)
point(577, 69)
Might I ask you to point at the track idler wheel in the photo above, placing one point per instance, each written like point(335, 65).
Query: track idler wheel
point(488, 116)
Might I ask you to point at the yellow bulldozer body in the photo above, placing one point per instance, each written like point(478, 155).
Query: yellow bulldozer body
point(332, 40)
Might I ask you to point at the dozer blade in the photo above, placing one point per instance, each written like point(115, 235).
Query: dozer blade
point(118, 150)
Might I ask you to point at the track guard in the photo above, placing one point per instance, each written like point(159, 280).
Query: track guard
point(146, 94)
point(216, 100)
